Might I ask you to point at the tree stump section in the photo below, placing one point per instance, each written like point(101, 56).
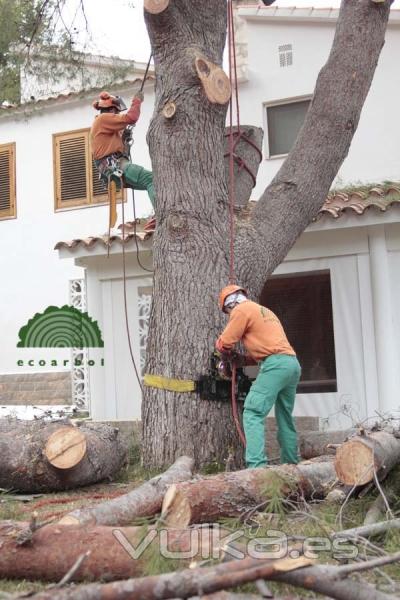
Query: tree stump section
point(247, 158)
point(144, 501)
point(37, 456)
point(214, 80)
point(362, 457)
point(155, 7)
point(232, 494)
point(65, 448)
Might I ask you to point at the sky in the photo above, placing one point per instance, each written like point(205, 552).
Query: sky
point(117, 28)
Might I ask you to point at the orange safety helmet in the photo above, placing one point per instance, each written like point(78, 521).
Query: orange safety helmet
point(106, 100)
point(227, 291)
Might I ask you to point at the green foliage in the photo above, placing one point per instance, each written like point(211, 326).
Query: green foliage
point(22, 23)
point(35, 39)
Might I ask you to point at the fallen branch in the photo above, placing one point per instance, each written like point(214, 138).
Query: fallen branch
point(366, 531)
point(143, 501)
point(191, 582)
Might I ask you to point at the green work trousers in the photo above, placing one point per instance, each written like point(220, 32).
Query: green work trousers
point(276, 385)
point(138, 178)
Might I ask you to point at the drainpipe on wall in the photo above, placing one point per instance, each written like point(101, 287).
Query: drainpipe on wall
point(386, 347)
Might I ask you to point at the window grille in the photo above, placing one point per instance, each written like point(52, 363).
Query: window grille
point(285, 55)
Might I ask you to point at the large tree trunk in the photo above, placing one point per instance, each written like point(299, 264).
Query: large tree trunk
point(144, 501)
point(39, 456)
point(233, 494)
point(191, 243)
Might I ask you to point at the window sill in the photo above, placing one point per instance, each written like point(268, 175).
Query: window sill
point(276, 156)
point(80, 206)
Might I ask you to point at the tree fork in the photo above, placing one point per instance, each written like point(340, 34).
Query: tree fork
point(191, 243)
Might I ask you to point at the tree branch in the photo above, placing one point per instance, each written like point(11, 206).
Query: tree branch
point(300, 187)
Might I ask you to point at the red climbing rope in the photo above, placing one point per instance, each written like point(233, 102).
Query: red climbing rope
point(232, 190)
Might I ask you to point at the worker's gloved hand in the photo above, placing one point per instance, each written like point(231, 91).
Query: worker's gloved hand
point(219, 345)
point(140, 96)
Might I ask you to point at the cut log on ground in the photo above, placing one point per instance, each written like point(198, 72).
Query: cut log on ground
point(48, 553)
point(143, 501)
point(316, 443)
point(37, 456)
point(365, 456)
point(190, 582)
point(232, 494)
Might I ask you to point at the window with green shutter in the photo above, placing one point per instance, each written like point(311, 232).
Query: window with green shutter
point(8, 207)
point(76, 178)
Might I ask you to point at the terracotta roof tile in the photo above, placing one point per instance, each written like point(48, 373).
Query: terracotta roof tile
point(353, 201)
point(359, 200)
point(90, 242)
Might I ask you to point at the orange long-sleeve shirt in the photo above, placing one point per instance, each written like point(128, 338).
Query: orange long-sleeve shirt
point(259, 329)
point(106, 131)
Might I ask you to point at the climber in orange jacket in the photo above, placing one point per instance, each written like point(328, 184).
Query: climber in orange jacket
point(107, 141)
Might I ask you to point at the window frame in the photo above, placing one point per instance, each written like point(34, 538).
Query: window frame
point(91, 200)
point(11, 213)
point(271, 104)
point(305, 386)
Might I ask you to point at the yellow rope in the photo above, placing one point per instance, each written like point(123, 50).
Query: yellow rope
point(112, 198)
point(166, 383)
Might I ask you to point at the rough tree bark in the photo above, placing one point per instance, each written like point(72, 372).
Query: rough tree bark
point(26, 455)
point(191, 244)
point(51, 551)
point(316, 443)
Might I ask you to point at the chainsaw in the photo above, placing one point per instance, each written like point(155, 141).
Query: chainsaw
point(217, 383)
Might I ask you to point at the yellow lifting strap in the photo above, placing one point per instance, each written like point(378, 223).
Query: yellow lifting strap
point(112, 199)
point(166, 383)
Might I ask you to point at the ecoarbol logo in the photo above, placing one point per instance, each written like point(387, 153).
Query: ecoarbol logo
point(64, 327)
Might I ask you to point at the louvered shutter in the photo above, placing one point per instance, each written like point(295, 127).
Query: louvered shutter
point(72, 169)
point(7, 181)
point(99, 189)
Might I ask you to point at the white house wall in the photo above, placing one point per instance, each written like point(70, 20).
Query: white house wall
point(374, 152)
point(33, 277)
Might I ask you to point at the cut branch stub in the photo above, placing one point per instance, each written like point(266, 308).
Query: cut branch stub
point(169, 110)
point(214, 80)
point(65, 448)
point(155, 6)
